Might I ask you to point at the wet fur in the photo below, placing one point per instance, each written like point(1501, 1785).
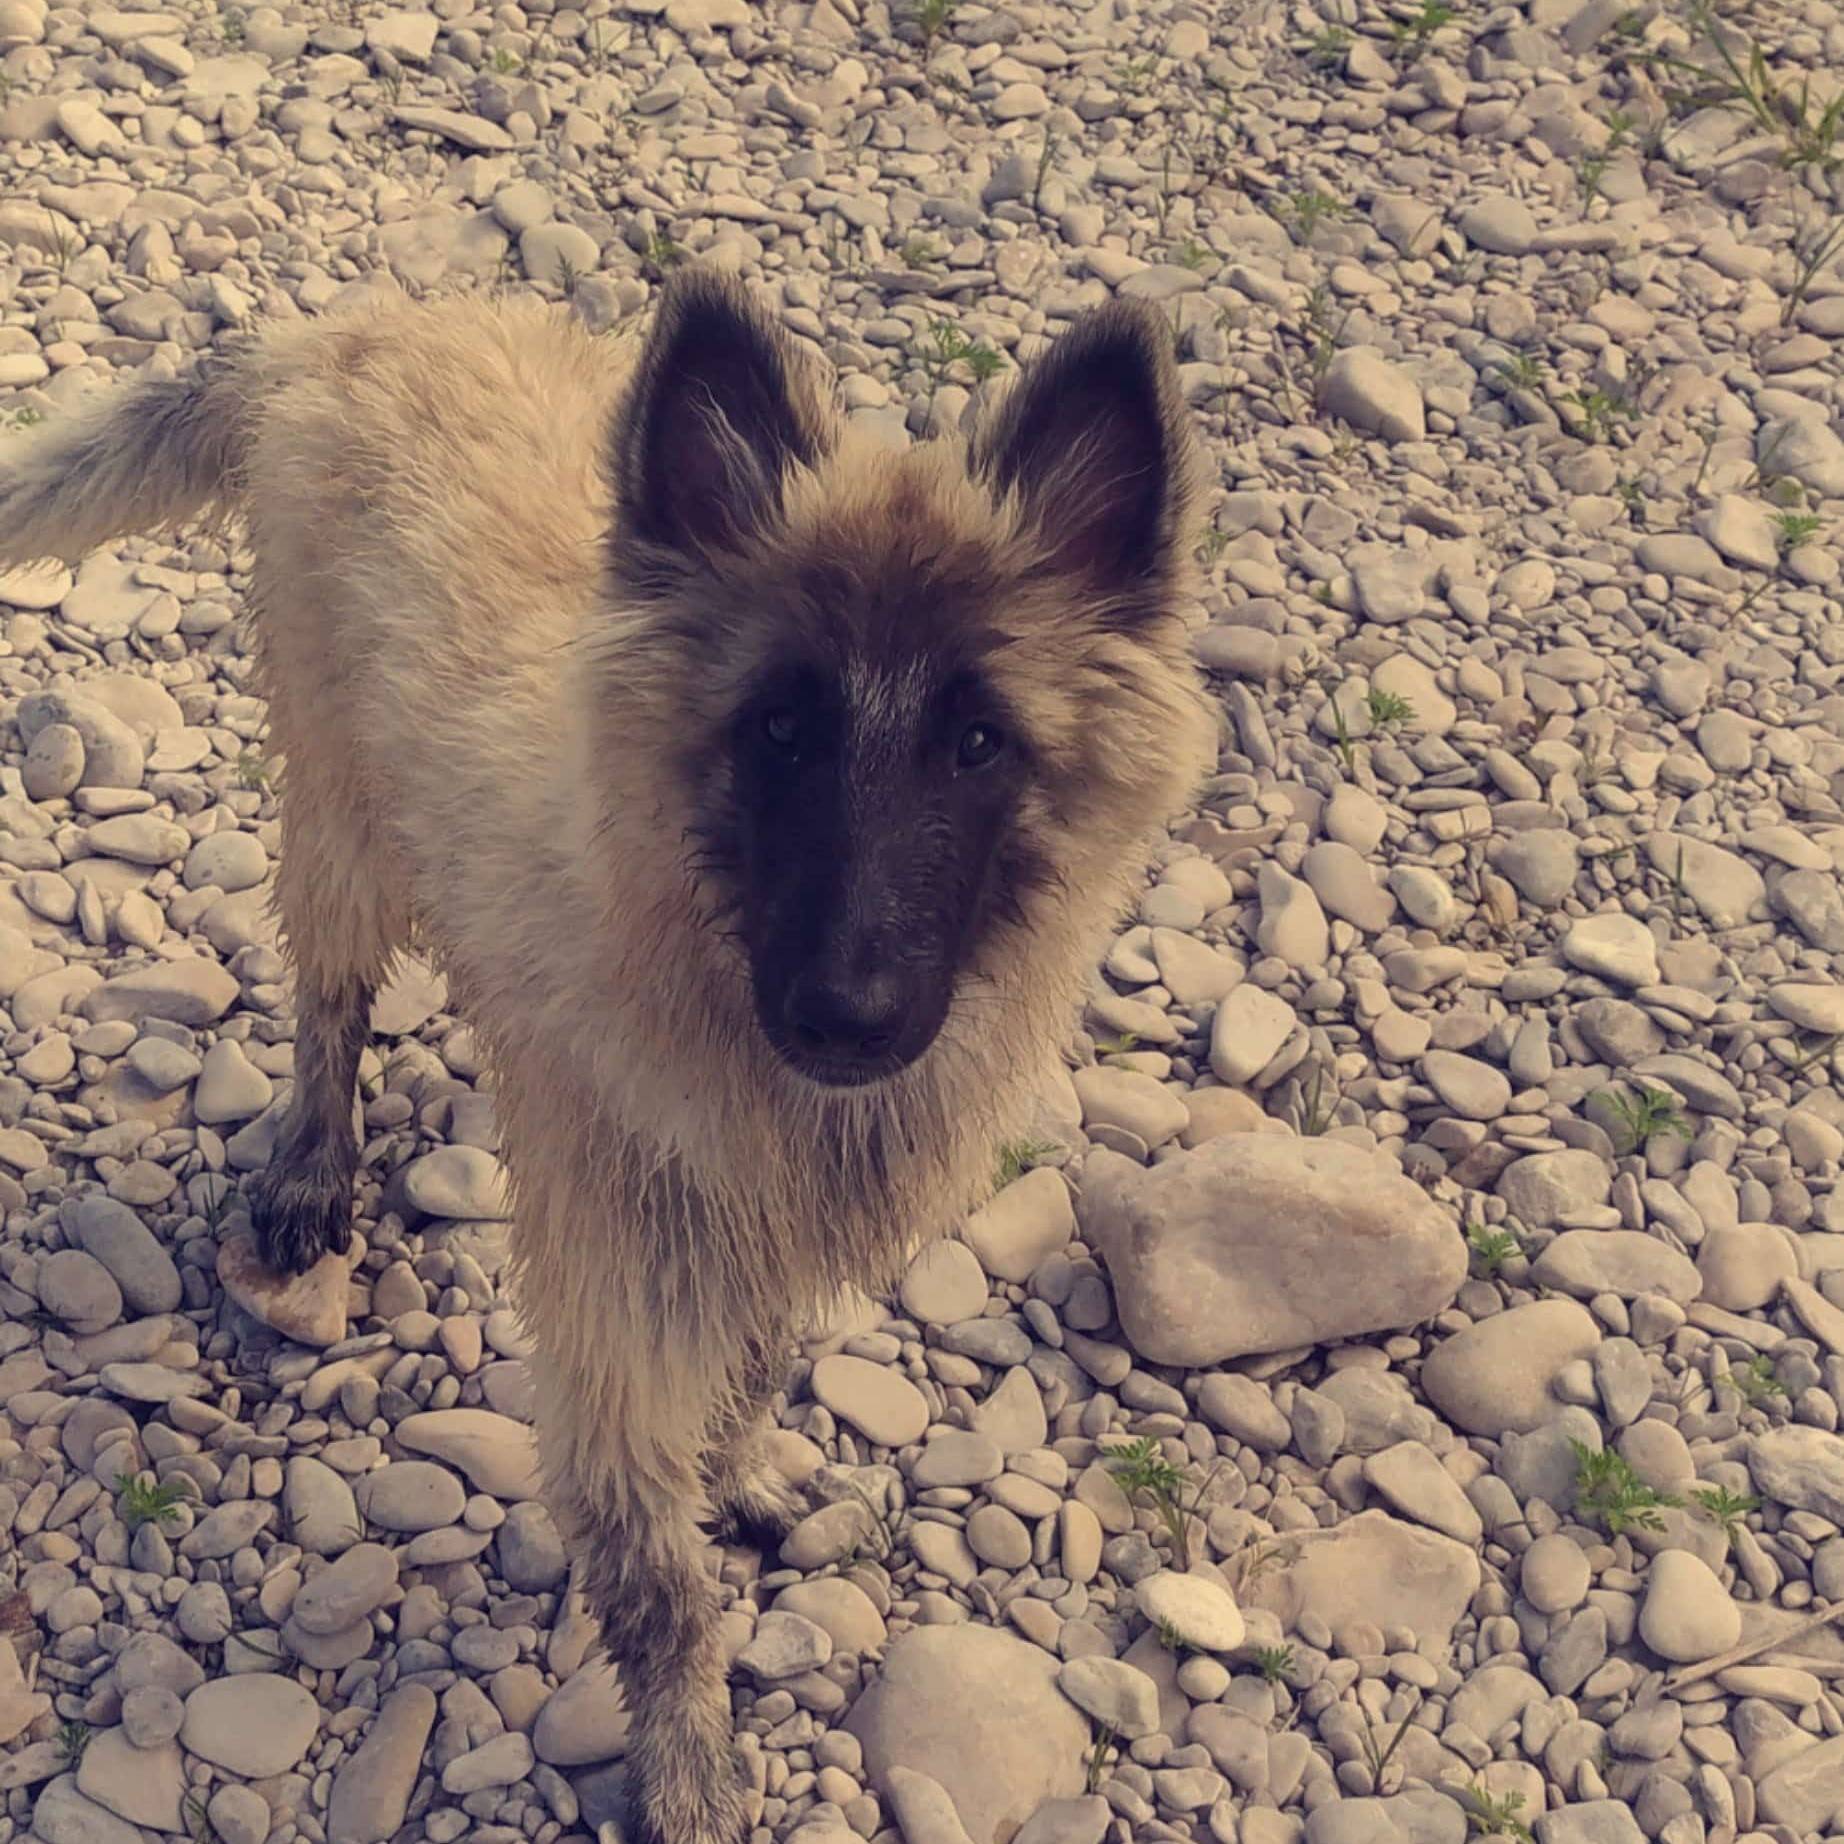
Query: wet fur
point(496, 673)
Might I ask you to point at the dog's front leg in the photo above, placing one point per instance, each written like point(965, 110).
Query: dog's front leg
point(301, 1205)
point(643, 1578)
point(752, 1501)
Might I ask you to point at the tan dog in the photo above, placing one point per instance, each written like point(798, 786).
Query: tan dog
point(766, 794)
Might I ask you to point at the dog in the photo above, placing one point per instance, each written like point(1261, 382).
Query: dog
point(766, 792)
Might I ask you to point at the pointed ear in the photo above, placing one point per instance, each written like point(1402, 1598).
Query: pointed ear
point(722, 407)
point(1096, 443)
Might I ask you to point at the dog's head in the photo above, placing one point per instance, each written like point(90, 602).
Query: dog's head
point(929, 697)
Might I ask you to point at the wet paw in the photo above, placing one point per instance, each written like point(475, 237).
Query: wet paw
point(300, 1212)
point(761, 1513)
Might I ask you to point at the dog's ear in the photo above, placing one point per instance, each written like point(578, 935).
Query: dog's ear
point(1095, 443)
point(722, 407)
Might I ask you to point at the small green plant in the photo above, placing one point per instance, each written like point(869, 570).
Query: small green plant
point(1275, 1663)
point(1345, 742)
point(1813, 250)
point(1123, 1045)
point(1593, 167)
point(1388, 710)
point(919, 253)
point(1491, 1248)
point(1792, 529)
point(231, 28)
point(142, 1502)
point(1016, 1157)
point(199, 1827)
point(1148, 1478)
point(1727, 1508)
point(1318, 1104)
point(1327, 50)
point(72, 1738)
point(1641, 1112)
point(254, 775)
point(1523, 371)
point(1302, 213)
point(1597, 411)
point(660, 255)
point(1170, 1637)
point(1379, 1753)
point(1103, 1752)
point(1808, 135)
point(943, 347)
point(1046, 161)
point(932, 17)
point(1487, 1816)
point(1420, 26)
point(1609, 1493)
point(1193, 255)
point(1212, 545)
point(1756, 1381)
point(1134, 74)
point(506, 62)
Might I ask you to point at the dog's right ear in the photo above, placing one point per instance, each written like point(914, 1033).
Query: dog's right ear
point(722, 408)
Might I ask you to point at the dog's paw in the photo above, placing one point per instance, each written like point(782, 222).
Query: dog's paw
point(300, 1212)
point(761, 1512)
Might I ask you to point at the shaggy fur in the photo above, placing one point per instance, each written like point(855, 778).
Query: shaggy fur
point(513, 584)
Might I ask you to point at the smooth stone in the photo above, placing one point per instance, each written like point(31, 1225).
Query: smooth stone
point(944, 1283)
point(1687, 1614)
point(1262, 1242)
point(1495, 1377)
point(879, 1402)
point(411, 1496)
point(978, 1711)
point(1114, 1693)
point(1372, 1570)
point(498, 1455)
point(310, 1308)
point(372, 1786)
point(254, 1723)
point(1023, 1225)
point(1202, 1612)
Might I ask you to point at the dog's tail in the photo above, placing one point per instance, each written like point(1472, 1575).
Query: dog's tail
point(143, 460)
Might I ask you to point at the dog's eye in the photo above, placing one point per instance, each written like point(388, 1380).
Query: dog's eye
point(782, 728)
point(979, 744)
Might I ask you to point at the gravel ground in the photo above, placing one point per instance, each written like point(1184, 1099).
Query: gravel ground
point(1397, 1397)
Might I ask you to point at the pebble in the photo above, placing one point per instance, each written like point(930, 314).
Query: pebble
point(883, 1406)
point(1687, 1615)
point(1201, 1612)
point(255, 1723)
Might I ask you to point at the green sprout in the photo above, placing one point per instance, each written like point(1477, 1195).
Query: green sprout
point(145, 1502)
point(1727, 1508)
point(1609, 1493)
point(1491, 1248)
point(1148, 1478)
point(1641, 1112)
point(1275, 1663)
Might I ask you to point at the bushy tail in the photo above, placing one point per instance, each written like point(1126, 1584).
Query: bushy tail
point(142, 460)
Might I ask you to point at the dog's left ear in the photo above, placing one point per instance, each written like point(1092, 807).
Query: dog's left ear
point(1096, 443)
point(723, 407)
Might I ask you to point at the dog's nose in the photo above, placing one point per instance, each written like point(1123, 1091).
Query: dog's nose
point(831, 1015)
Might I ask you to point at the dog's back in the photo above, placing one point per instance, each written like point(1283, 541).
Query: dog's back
point(427, 506)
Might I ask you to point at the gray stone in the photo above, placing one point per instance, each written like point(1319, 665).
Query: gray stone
point(978, 1711)
point(1261, 1242)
